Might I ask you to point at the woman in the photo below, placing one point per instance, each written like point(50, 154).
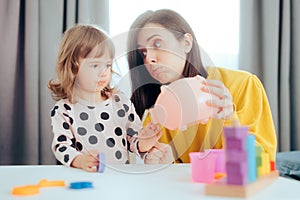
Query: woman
point(162, 48)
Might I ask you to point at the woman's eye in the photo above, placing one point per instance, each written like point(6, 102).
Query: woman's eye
point(143, 52)
point(156, 44)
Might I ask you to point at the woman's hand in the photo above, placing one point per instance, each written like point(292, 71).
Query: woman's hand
point(88, 162)
point(160, 154)
point(149, 136)
point(221, 99)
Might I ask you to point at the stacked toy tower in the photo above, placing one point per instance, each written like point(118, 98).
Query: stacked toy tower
point(248, 168)
point(240, 155)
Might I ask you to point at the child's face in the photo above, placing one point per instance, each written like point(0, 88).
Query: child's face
point(94, 73)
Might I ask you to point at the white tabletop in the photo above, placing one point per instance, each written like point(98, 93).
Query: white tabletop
point(126, 182)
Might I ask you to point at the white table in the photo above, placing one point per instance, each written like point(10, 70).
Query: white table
point(126, 182)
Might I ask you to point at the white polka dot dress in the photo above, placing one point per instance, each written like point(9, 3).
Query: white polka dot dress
point(110, 127)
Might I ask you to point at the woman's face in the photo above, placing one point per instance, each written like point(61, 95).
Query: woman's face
point(164, 56)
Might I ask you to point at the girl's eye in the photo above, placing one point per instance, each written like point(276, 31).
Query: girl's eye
point(156, 44)
point(94, 66)
point(143, 52)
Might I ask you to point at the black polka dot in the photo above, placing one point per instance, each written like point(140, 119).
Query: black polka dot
point(66, 126)
point(104, 116)
point(73, 140)
point(66, 158)
point(124, 142)
point(131, 132)
point(81, 131)
point(91, 107)
point(118, 131)
point(118, 154)
point(127, 162)
point(117, 98)
point(99, 127)
point(62, 138)
point(131, 117)
point(67, 107)
point(53, 111)
point(93, 139)
point(56, 146)
point(107, 104)
point(121, 113)
point(62, 149)
point(79, 146)
point(71, 120)
point(110, 142)
point(126, 107)
point(84, 116)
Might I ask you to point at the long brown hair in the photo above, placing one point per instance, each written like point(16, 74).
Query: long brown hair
point(77, 42)
point(145, 88)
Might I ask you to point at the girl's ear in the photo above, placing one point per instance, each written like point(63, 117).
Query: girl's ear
point(188, 42)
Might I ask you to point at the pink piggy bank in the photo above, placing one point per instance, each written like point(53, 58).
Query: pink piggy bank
point(182, 103)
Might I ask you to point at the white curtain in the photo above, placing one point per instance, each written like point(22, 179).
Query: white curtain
point(270, 48)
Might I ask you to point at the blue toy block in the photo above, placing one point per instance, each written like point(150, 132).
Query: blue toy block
point(251, 158)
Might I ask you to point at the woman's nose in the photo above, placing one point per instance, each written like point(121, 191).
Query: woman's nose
point(151, 57)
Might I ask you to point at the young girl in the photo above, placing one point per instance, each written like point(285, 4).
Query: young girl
point(91, 117)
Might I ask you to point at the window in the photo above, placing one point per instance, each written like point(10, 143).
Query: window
point(215, 23)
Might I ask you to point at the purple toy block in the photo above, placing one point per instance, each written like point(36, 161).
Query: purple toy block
point(235, 144)
point(236, 132)
point(236, 156)
point(237, 173)
point(233, 168)
point(237, 180)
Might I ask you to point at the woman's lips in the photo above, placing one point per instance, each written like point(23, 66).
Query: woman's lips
point(155, 71)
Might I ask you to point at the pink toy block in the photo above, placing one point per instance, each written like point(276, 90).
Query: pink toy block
point(220, 159)
point(203, 166)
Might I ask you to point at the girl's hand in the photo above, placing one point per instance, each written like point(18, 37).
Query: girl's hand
point(221, 99)
point(88, 162)
point(149, 136)
point(160, 154)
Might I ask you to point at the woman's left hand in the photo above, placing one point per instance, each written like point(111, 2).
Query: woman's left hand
point(221, 99)
point(148, 136)
point(160, 154)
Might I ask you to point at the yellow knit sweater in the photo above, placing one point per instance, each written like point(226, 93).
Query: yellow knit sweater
point(251, 108)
